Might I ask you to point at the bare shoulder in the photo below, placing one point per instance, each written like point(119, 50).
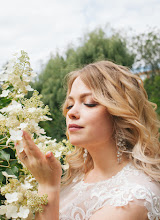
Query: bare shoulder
point(128, 212)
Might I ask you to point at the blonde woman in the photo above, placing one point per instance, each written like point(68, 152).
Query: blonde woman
point(114, 172)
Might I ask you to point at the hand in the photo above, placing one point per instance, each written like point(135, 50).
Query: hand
point(45, 168)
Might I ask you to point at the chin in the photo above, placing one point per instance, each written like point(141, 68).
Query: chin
point(76, 142)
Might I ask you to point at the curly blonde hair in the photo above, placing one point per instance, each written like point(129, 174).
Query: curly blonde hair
point(125, 98)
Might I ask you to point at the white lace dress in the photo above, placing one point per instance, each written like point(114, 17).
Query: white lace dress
point(81, 200)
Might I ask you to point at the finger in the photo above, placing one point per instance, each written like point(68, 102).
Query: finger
point(21, 155)
point(51, 159)
point(19, 146)
point(53, 163)
point(30, 147)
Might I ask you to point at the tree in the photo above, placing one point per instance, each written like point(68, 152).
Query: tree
point(50, 85)
point(146, 47)
point(96, 45)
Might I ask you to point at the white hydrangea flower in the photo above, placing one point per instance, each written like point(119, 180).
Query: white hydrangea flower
point(33, 74)
point(13, 107)
point(11, 197)
point(29, 88)
point(32, 179)
point(26, 185)
point(23, 125)
point(3, 209)
point(19, 96)
point(38, 130)
point(16, 117)
point(11, 211)
point(58, 153)
point(2, 117)
point(16, 135)
point(12, 121)
point(23, 212)
point(65, 167)
point(26, 79)
point(31, 110)
point(44, 117)
point(5, 93)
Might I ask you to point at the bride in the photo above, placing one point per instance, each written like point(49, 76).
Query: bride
point(114, 172)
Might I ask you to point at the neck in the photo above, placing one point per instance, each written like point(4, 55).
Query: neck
point(104, 161)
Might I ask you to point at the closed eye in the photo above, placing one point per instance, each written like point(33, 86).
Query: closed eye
point(90, 105)
point(69, 107)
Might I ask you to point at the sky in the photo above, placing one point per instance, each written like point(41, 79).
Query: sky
point(43, 27)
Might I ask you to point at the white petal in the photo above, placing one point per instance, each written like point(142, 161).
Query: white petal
point(27, 185)
point(33, 74)
point(23, 212)
point(41, 131)
point(5, 93)
point(31, 110)
point(23, 125)
point(58, 154)
point(2, 117)
point(15, 135)
point(65, 167)
point(29, 88)
point(11, 211)
point(11, 197)
point(3, 209)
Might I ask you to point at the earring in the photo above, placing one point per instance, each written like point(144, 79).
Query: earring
point(85, 155)
point(121, 147)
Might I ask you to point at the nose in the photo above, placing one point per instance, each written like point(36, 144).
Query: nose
point(74, 113)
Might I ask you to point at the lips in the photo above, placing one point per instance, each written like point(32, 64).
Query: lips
point(74, 127)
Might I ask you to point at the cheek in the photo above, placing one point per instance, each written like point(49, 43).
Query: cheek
point(102, 124)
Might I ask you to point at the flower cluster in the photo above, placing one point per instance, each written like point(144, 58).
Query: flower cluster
point(22, 200)
point(21, 113)
point(20, 192)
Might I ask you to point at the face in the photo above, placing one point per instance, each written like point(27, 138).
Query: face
point(88, 122)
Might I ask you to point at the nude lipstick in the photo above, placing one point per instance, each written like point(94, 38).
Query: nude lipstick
point(74, 127)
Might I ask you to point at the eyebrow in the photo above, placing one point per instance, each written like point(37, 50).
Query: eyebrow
point(82, 95)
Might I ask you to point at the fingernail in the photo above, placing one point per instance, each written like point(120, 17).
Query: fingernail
point(16, 143)
point(49, 154)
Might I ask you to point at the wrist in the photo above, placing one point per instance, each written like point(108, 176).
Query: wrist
point(49, 190)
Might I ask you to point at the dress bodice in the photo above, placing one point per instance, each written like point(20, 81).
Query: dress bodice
point(80, 200)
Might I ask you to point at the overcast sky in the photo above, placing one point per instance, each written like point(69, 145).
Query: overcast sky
point(41, 27)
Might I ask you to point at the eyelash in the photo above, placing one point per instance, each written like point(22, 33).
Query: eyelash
point(88, 105)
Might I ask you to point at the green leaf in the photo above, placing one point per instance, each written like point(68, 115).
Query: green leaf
point(10, 171)
point(14, 170)
point(1, 177)
point(13, 162)
point(4, 155)
point(4, 102)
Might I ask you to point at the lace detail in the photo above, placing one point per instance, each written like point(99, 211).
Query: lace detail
point(81, 200)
